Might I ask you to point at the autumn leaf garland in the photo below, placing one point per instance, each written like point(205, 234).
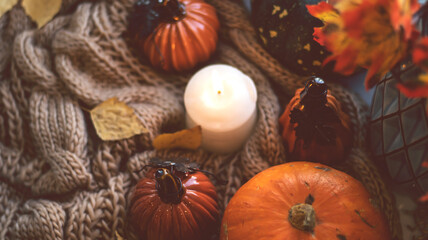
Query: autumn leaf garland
point(374, 34)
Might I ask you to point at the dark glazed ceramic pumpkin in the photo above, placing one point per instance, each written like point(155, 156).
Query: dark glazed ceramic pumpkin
point(285, 29)
point(175, 35)
point(174, 205)
point(314, 126)
point(303, 201)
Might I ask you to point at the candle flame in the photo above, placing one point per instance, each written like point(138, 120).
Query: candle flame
point(217, 82)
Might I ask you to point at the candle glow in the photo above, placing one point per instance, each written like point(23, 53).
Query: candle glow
point(222, 100)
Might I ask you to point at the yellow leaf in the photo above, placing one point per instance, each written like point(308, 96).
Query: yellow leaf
point(187, 139)
point(41, 11)
point(6, 5)
point(114, 120)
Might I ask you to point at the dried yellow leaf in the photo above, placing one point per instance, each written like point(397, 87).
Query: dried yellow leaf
point(6, 5)
point(41, 11)
point(114, 120)
point(188, 139)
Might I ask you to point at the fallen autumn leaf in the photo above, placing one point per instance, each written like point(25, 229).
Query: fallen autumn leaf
point(6, 5)
point(114, 120)
point(41, 11)
point(187, 139)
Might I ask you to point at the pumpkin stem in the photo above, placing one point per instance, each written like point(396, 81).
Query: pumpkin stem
point(173, 10)
point(169, 186)
point(302, 215)
point(313, 116)
point(315, 93)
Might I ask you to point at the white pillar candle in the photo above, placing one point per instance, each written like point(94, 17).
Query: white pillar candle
point(222, 100)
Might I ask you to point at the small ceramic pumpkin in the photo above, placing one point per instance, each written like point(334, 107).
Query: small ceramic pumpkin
point(285, 29)
point(174, 203)
point(303, 201)
point(314, 126)
point(176, 34)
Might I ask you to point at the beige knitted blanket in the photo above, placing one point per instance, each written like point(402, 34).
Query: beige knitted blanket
point(58, 180)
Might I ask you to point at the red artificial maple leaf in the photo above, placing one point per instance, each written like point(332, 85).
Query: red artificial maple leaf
point(401, 12)
point(374, 34)
point(418, 88)
point(420, 53)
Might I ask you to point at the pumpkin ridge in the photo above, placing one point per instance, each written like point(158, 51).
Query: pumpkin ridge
point(205, 48)
point(172, 46)
point(203, 196)
point(195, 40)
point(188, 217)
point(205, 206)
point(144, 221)
point(167, 50)
point(211, 193)
point(202, 216)
point(176, 213)
point(200, 17)
point(206, 12)
point(159, 49)
point(185, 48)
point(156, 224)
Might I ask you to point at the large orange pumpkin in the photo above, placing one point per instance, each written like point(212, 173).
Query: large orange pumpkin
point(303, 201)
point(314, 126)
point(186, 40)
point(169, 204)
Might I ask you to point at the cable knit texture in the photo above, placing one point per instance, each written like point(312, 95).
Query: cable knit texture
point(58, 180)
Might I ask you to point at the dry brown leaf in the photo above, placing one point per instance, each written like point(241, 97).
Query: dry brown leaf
point(114, 120)
point(188, 139)
point(41, 11)
point(6, 5)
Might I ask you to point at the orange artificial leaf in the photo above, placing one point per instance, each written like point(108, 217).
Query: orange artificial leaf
point(321, 10)
point(114, 120)
point(345, 63)
point(187, 139)
point(360, 33)
point(401, 12)
point(330, 17)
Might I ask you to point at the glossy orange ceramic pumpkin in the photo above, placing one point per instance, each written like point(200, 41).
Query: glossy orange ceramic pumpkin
point(303, 201)
point(314, 126)
point(169, 204)
point(188, 40)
